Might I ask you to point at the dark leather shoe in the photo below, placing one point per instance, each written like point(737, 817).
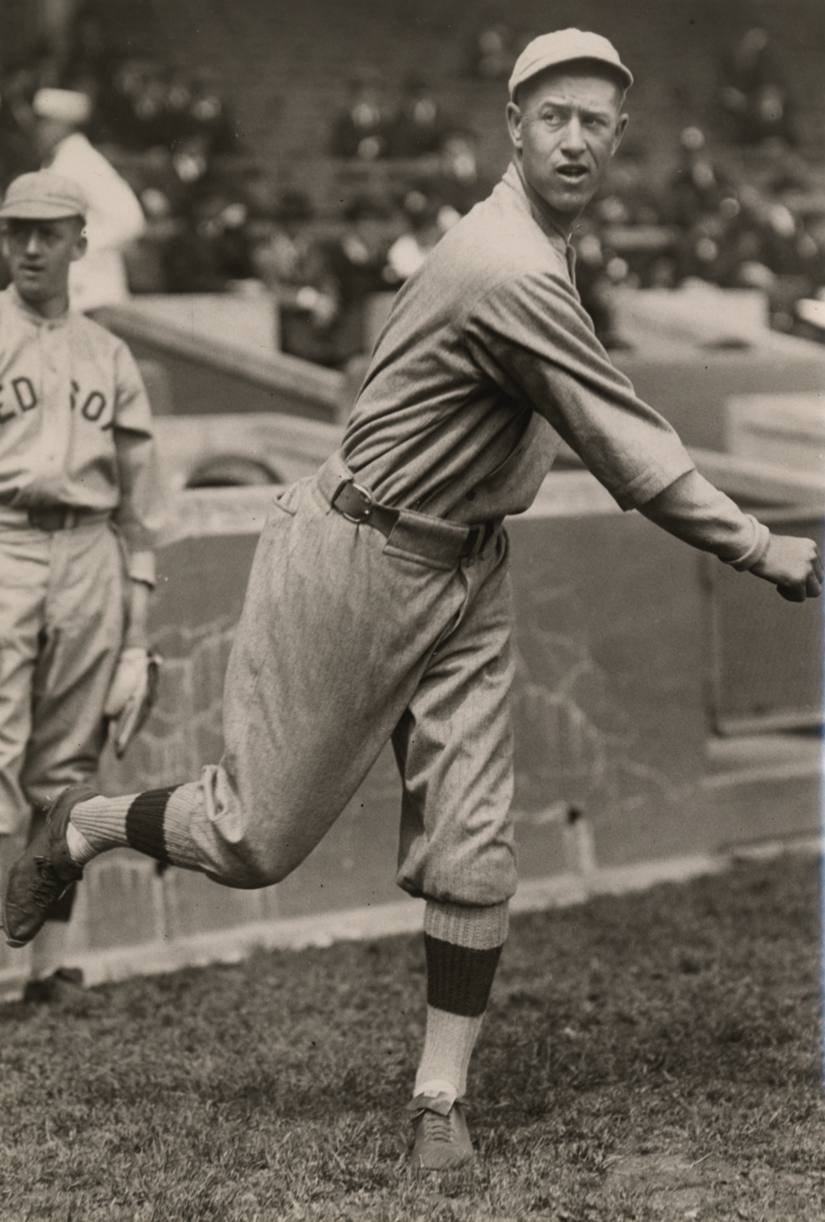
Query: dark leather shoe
point(442, 1139)
point(64, 983)
point(40, 877)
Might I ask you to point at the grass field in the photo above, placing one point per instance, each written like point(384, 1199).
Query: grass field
point(649, 1056)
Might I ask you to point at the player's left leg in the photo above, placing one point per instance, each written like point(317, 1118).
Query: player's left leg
point(82, 632)
point(454, 748)
point(83, 627)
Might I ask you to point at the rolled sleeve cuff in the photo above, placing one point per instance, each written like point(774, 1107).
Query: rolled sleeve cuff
point(757, 549)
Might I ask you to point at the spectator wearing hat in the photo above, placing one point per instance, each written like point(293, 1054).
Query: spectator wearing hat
point(81, 500)
point(293, 262)
point(754, 95)
point(114, 217)
point(427, 220)
point(418, 128)
point(356, 259)
point(359, 131)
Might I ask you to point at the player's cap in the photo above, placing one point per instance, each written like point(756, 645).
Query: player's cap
point(563, 47)
point(64, 105)
point(43, 196)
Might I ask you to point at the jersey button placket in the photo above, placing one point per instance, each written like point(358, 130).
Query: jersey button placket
point(55, 388)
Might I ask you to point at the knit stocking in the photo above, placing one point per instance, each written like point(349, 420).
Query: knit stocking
point(463, 946)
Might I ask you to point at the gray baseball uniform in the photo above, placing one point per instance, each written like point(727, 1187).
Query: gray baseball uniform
point(365, 623)
point(80, 501)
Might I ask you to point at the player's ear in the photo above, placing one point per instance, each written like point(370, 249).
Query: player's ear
point(80, 244)
point(515, 120)
point(621, 128)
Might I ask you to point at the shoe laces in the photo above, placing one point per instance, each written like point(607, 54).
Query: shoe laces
point(437, 1127)
point(48, 884)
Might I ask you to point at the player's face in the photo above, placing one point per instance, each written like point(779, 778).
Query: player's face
point(566, 125)
point(39, 254)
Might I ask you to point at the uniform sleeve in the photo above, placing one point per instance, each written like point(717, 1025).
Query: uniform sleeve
point(142, 509)
point(531, 335)
point(693, 510)
point(534, 338)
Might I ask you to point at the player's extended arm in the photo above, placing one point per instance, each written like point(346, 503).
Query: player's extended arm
point(694, 510)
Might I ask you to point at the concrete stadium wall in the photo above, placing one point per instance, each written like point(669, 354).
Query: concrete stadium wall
point(611, 721)
point(200, 356)
point(688, 353)
point(692, 350)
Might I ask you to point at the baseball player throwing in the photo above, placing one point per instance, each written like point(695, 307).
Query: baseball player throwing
point(378, 604)
point(80, 498)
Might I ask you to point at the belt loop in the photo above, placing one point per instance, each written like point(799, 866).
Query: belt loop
point(472, 544)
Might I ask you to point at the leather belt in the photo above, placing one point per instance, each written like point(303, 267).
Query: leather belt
point(357, 504)
point(51, 517)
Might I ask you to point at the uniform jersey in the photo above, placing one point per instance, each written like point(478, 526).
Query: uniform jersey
point(75, 425)
point(488, 361)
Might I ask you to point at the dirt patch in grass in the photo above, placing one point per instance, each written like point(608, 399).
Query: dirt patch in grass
point(653, 1056)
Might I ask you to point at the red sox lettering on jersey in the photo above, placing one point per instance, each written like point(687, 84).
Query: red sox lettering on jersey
point(75, 423)
point(25, 399)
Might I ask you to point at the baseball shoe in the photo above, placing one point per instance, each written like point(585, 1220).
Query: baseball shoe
point(65, 983)
point(442, 1140)
point(40, 877)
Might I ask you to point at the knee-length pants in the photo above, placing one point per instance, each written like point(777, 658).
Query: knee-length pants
point(349, 639)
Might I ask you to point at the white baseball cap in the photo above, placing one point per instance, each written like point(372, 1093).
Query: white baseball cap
point(562, 47)
point(42, 195)
point(65, 105)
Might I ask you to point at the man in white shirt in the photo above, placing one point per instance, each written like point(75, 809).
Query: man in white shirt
point(114, 218)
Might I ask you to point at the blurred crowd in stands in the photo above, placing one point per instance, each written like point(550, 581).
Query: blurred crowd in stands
point(743, 208)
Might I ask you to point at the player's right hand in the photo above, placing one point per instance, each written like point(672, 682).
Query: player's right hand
point(793, 565)
point(129, 678)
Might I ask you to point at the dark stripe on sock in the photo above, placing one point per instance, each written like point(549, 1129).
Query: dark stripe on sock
point(459, 979)
point(144, 823)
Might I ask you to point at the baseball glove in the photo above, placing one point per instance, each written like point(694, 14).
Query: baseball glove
point(132, 695)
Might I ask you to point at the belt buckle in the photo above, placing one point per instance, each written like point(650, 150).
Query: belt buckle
point(362, 491)
point(46, 517)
